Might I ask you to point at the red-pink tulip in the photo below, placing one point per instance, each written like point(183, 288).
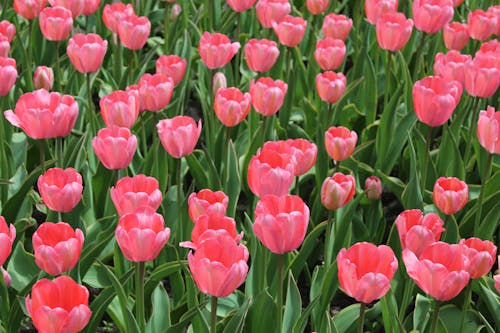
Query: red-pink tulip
point(481, 24)
point(133, 31)
point(373, 188)
point(393, 31)
point(119, 108)
point(495, 10)
point(336, 26)
point(330, 86)
point(281, 222)
point(131, 193)
point(290, 30)
point(4, 46)
point(173, 66)
point(179, 135)
point(219, 264)
point(435, 99)
point(330, 53)
point(90, 7)
point(43, 78)
point(316, 7)
point(44, 115)
point(7, 237)
point(212, 221)
point(113, 14)
point(375, 8)
point(303, 153)
point(60, 305)
point(481, 254)
point(216, 50)
point(75, 6)
point(60, 189)
point(141, 235)
point(240, 5)
point(261, 54)
point(205, 202)
point(450, 194)
point(57, 247)
point(497, 281)
point(440, 271)
point(482, 76)
point(337, 190)
point(56, 23)
point(455, 35)
point(115, 147)
point(365, 271)
point(7, 29)
point(267, 95)
point(340, 142)
point(29, 9)
point(430, 16)
point(155, 91)
point(87, 52)
point(8, 75)
point(231, 106)
point(269, 11)
point(488, 130)
point(417, 231)
point(451, 66)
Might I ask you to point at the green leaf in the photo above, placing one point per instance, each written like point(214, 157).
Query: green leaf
point(22, 267)
point(160, 317)
point(293, 305)
point(262, 314)
point(301, 322)
point(237, 322)
point(308, 246)
point(421, 313)
point(412, 196)
point(346, 318)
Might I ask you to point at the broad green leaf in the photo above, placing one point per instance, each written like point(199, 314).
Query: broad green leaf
point(293, 305)
point(160, 317)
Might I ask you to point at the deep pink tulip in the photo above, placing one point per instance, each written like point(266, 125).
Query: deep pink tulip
point(330, 86)
point(43, 78)
point(417, 231)
point(481, 254)
point(451, 66)
point(430, 16)
point(261, 54)
point(133, 31)
point(212, 221)
point(365, 271)
point(330, 53)
point(495, 10)
point(316, 7)
point(482, 76)
point(336, 26)
point(59, 305)
point(340, 142)
point(435, 99)
point(115, 147)
point(87, 52)
point(219, 264)
point(269, 11)
point(44, 115)
point(131, 193)
point(303, 154)
point(173, 66)
point(373, 188)
point(119, 108)
point(7, 29)
point(75, 6)
point(29, 9)
point(4, 46)
point(457, 3)
point(113, 14)
point(481, 24)
point(55, 23)
point(455, 35)
point(267, 95)
point(337, 190)
point(205, 202)
point(7, 237)
point(281, 222)
point(488, 130)
point(60, 189)
point(57, 247)
point(155, 91)
point(179, 135)
point(8, 75)
point(450, 194)
point(375, 8)
point(290, 30)
point(141, 234)
point(216, 49)
point(231, 106)
point(90, 7)
point(440, 271)
point(393, 31)
point(240, 5)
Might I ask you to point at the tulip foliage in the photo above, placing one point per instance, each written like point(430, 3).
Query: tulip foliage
point(249, 166)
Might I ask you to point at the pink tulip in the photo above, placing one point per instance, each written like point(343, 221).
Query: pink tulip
point(134, 192)
point(218, 81)
point(430, 16)
point(440, 271)
point(231, 106)
point(488, 130)
point(393, 31)
point(173, 66)
point(240, 5)
point(373, 188)
point(6, 277)
point(337, 190)
point(115, 147)
point(455, 35)
point(216, 50)
point(375, 8)
point(303, 153)
point(261, 54)
point(495, 10)
point(482, 76)
point(29, 9)
point(43, 78)
point(212, 221)
point(451, 66)
point(281, 222)
point(55, 23)
point(7, 237)
point(155, 91)
point(90, 7)
point(336, 26)
point(497, 281)
point(450, 194)
point(340, 142)
point(269, 11)
point(316, 7)
point(4, 46)
point(7, 29)
point(60, 189)
point(119, 108)
point(179, 135)
point(290, 30)
point(330, 53)
point(75, 6)
point(481, 24)
point(57, 247)
point(365, 271)
point(267, 95)
point(87, 52)
point(330, 86)
point(133, 31)
point(481, 254)
point(8, 75)
point(113, 14)
point(205, 202)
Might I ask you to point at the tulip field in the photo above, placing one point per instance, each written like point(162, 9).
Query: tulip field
point(229, 166)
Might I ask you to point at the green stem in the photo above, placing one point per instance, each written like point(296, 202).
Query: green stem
point(484, 179)
point(418, 54)
point(139, 292)
point(472, 131)
point(387, 77)
point(426, 158)
point(166, 21)
point(224, 180)
point(118, 60)
point(297, 186)
point(42, 154)
point(468, 294)
point(279, 301)
point(179, 197)
point(329, 230)
point(361, 322)
point(59, 152)
point(58, 69)
point(209, 7)
point(131, 68)
point(435, 316)
point(213, 322)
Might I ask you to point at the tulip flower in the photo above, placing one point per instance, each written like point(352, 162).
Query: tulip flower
point(115, 147)
point(173, 66)
point(340, 142)
point(240, 5)
point(131, 193)
point(43, 78)
point(290, 30)
point(6, 277)
point(375, 8)
point(497, 281)
point(481, 24)
point(7, 29)
point(261, 54)
point(119, 108)
point(8, 75)
point(430, 16)
point(495, 10)
point(488, 130)
point(113, 14)
point(216, 50)
point(393, 31)
point(481, 254)
point(373, 188)
point(330, 86)
point(7, 237)
point(205, 202)
point(212, 221)
point(55, 23)
point(337, 190)
point(316, 7)
point(155, 91)
point(269, 11)
point(60, 189)
point(450, 194)
point(4, 46)
point(303, 153)
point(86, 52)
point(455, 35)
point(218, 81)
point(29, 9)
point(267, 95)
point(336, 26)
point(179, 135)
point(90, 7)
point(482, 76)
point(231, 106)
point(330, 53)
point(75, 6)
point(133, 31)
point(451, 66)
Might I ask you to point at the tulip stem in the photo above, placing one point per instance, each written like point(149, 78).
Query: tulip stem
point(118, 60)
point(468, 294)
point(42, 154)
point(179, 197)
point(329, 230)
point(166, 22)
point(139, 292)
point(90, 105)
point(387, 78)
point(225, 179)
point(361, 322)
point(297, 191)
point(426, 158)
point(279, 301)
point(418, 54)
point(213, 322)
point(484, 179)
point(435, 317)
point(58, 69)
point(59, 152)
point(472, 131)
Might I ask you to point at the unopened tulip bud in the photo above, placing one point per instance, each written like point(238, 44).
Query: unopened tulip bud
point(175, 12)
point(43, 78)
point(373, 188)
point(218, 81)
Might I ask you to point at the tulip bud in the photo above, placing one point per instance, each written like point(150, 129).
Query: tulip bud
point(43, 78)
point(373, 188)
point(218, 81)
